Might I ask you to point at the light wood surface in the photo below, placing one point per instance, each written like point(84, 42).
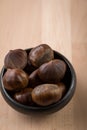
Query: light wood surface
point(62, 25)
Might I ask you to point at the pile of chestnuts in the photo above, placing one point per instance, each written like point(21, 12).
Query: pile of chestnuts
point(34, 77)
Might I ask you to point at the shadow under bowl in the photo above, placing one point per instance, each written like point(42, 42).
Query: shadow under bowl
point(69, 80)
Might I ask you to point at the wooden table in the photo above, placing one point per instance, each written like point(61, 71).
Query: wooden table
point(63, 25)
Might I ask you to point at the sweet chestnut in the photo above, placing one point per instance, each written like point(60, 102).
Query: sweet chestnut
point(46, 94)
point(16, 59)
point(15, 79)
point(40, 54)
point(24, 96)
point(34, 79)
point(52, 71)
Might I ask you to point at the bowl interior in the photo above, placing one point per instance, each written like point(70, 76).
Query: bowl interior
point(69, 80)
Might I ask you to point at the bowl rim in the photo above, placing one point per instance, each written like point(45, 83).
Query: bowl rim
point(61, 103)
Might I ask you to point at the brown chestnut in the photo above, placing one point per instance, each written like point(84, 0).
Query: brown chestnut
point(53, 71)
point(16, 59)
point(29, 68)
point(62, 88)
point(40, 54)
point(15, 79)
point(34, 79)
point(24, 96)
point(46, 94)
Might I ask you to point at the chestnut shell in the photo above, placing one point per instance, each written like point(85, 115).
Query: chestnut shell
point(24, 96)
point(16, 59)
point(62, 88)
point(15, 79)
point(34, 79)
point(53, 71)
point(29, 68)
point(41, 54)
point(46, 94)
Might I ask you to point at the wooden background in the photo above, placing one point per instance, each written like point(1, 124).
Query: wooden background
point(63, 25)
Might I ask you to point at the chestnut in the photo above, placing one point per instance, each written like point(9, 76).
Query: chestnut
point(24, 96)
point(53, 71)
point(40, 54)
point(16, 59)
point(46, 94)
point(34, 79)
point(62, 88)
point(15, 79)
point(29, 68)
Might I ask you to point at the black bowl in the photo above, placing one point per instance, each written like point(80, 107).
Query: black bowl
point(69, 80)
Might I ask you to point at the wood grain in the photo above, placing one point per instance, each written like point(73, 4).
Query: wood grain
point(79, 58)
point(62, 25)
